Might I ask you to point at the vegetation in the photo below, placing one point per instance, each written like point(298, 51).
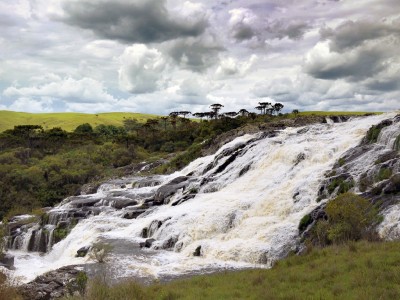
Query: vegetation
point(349, 218)
point(7, 290)
point(361, 270)
point(100, 251)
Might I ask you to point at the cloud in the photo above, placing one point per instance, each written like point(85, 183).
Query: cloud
point(141, 69)
point(195, 54)
point(85, 90)
point(136, 21)
point(293, 30)
point(230, 66)
point(352, 34)
point(242, 24)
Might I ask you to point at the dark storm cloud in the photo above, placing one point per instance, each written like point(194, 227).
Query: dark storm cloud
point(353, 34)
point(384, 85)
point(131, 21)
point(293, 31)
point(196, 54)
point(354, 66)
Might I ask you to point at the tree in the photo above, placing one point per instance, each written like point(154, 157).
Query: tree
point(230, 114)
point(264, 106)
point(85, 128)
point(216, 107)
point(277, 107)
point(243, 112)
point(173, 116)
point(295, 112)
point(184, 113)
point(260, 108)
point(165, 121)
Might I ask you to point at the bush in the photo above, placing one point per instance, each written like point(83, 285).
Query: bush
point(304, 222)
point(350, 218)
point(100, 251)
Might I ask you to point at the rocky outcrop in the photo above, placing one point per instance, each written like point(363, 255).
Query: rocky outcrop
point(56, 284)
point(7, 261)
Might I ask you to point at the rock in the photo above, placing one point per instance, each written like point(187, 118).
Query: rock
point(120, 203)
point(133, 214)
point(147, 243)
point(197, 252)
point(54, 285)
point(82, 251)
point(7, 261)
point(89, 188)
point(79, 202)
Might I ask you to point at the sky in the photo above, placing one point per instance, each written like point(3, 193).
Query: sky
point(158, 56)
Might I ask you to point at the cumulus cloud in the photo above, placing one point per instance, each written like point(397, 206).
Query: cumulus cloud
point(230, 66)
point(243, 23)
point(141, 69)
point(135, 21)
point(85, 90)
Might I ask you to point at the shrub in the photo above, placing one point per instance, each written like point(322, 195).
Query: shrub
point(304, 222)
point(100, 251)
point(383, 174)
point(350, 218)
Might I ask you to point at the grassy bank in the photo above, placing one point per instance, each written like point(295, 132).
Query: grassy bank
point(67, 121)
point(360, 270)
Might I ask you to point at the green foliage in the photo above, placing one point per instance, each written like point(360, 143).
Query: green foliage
point(373, 134)
point(3, 243)
point(350, 218)
point(342, 161)
point(60, 234)
point(304, 222)
point(344, 185)
point(100, 251)
point(85, 128)
point(384, 173)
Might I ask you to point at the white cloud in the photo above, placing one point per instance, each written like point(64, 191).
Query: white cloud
point(85, 90)
point(142, 69)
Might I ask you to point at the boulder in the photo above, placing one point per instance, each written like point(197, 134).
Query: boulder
point(82, 251)
point(147, 243)
point(197, 252)
point(7, 261)
point(63, 282)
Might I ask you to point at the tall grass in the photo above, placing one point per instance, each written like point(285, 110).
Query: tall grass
point(362, 270)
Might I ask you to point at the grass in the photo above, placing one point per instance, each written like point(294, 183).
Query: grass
point(362, 270)
point(67, 121)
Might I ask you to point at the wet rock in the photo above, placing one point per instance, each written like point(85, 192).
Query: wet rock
point(82, 251)
point(119, 203)
point(79, 202)
point(133, 214)
point(54, 285)
point(197, 252)
point(7, 261)
point(89, 188)
point(147, 243)
point(145, 233)
point(166, 191)
point(244, 170)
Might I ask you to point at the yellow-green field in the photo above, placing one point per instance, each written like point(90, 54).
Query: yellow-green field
point(67, 121)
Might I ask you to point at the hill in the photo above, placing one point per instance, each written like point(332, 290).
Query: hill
point(67, 121)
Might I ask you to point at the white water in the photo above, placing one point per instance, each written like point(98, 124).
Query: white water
point(239, 222)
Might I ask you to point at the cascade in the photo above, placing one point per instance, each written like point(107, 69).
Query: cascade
point(237, 208)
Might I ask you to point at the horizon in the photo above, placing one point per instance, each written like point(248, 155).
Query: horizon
point(99, 56)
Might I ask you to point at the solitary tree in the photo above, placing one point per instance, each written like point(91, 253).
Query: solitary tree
point(260, 108)
point(173, 116)
point(216, 108)
point(277, 107)
point(243, 112)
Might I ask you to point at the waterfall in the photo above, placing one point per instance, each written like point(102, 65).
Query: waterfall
point(241, 206)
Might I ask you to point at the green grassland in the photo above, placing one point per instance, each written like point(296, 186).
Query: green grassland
point(67, 121)
point(363, 270)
